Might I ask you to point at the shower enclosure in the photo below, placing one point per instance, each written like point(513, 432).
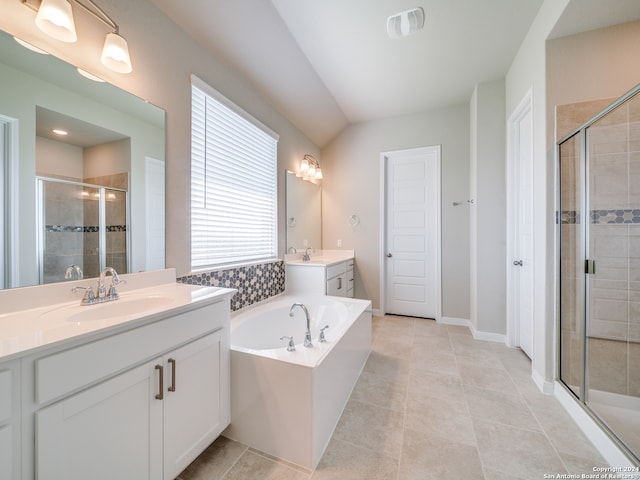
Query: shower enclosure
point(80, 224)
point(599, 331)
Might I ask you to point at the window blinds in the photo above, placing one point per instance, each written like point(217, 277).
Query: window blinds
point(233, 185)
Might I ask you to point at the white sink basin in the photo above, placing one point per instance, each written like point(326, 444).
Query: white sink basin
point(119, 308)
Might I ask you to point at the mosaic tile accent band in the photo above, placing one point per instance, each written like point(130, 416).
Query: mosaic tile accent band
point(603, 217)
point(254, 283)
point(83, 228)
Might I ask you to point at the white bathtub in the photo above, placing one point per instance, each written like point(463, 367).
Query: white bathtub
point(287, 404)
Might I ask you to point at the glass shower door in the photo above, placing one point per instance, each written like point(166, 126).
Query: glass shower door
point(80, 224)
point(572, 255)
point(68, 228)
point(613, 287)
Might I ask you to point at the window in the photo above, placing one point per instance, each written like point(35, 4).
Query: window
point(233, 183)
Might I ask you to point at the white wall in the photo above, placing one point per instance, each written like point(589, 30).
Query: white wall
point(488, 212)
point(351, 185)
point(164, 57)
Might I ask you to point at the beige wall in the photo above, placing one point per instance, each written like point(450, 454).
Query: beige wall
point(527, 73)
point(351, 185)
point(164, 57)
point(58, 159)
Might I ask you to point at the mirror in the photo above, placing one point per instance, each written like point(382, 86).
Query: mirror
point(96, 194)
point(304, 214)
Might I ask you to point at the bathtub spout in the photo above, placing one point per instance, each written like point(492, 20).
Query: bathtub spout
point(307, 335)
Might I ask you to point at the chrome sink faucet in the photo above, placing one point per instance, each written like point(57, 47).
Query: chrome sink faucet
point(101, 294)
point(307, 335)
point(71, 269)
point(306, 257)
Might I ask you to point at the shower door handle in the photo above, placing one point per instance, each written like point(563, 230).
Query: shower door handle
point(389, 255)
point(517, 263)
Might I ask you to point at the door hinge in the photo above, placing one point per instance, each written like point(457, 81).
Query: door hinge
point(590, 267)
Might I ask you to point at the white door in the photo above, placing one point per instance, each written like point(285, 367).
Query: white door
point(520, 273)
point(412, 223)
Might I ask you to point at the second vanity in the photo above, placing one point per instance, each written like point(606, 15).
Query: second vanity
point(326, 272)
point(134, 388)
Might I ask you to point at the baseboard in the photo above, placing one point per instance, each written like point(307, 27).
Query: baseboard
point(463, 322)
point(545, 386)
point(488, 336)
point(612, 454)
point(377, 313)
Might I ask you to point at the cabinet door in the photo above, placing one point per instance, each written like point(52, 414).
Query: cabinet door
point(6, 453)
point(112, 430)
point(9, 420)
point(337, 286)
point(197, 411)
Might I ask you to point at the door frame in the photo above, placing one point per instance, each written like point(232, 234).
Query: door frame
point(9, 215)
point(383, 224)
point(524, 108)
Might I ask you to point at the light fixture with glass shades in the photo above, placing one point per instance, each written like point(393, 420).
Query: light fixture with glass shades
point(309, 169)
point(55, 18)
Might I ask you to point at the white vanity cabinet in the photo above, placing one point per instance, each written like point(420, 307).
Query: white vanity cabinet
point(142, 404)
point(9, 420)
point(334, 278)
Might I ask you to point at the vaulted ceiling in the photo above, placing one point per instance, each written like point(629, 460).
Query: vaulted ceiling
point(327, 63)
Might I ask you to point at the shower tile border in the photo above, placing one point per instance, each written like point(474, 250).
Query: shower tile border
point(619, 216)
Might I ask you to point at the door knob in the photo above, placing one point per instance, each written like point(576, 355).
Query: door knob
point(389, 255)
point(517, 263)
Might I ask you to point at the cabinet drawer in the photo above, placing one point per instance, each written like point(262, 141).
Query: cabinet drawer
point(350, 264)
point(70, 370)
point(337, 269)
point(6, 395)
point(337, 286)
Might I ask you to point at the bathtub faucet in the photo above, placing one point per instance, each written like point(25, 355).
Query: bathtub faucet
point(307, 335)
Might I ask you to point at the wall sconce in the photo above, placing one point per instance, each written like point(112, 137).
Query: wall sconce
point(309, 169)
point(55, 18)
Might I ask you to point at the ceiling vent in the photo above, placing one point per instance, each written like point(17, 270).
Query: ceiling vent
point(405, 23)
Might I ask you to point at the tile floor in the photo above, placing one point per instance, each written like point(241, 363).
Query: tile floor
point(431, 403)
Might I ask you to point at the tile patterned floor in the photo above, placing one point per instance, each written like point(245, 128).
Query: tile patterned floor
point(446, 407)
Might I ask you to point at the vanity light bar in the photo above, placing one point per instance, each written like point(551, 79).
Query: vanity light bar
point(55, 18)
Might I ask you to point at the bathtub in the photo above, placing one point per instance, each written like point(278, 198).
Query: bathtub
point(287, 404)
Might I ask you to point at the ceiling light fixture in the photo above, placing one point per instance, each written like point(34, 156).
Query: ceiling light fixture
point(55, 18)
point(405, 23)
point(309, 169)
point(59, 131)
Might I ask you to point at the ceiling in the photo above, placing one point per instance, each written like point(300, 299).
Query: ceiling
point(327, 63)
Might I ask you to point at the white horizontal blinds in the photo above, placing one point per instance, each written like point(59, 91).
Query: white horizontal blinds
point(233, 186)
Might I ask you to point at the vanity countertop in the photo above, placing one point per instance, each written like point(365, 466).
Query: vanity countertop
point(321, 258)
point(28, 330)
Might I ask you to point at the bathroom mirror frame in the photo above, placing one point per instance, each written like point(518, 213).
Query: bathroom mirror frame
point(303, 214)
point(32, 75)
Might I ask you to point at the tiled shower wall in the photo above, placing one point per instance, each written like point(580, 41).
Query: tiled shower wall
point(614, 303)
point(254, 282)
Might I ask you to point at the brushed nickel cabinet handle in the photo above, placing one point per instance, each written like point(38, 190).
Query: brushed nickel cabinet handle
point(160, 395)
point(172, 388)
